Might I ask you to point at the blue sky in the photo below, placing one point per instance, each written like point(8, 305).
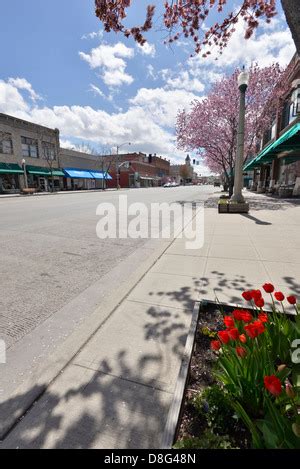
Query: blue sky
point(60, 70)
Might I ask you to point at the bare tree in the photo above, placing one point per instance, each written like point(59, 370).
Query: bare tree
point(105, 160)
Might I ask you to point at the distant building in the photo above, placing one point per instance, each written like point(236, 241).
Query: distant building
point(138, 170)
point(182, 173)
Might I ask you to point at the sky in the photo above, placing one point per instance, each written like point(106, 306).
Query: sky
point(60, 69)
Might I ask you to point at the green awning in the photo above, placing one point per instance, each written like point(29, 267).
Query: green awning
point(10, 168)
point(37, 170)
point(40, 171)
point(288, 142)
point(58, 172)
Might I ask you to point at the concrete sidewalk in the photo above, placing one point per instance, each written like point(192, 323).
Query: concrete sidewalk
point(117, 391)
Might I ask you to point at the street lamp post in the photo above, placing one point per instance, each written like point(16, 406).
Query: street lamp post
point(117, 163)
point(243, 81)
point(25, 174)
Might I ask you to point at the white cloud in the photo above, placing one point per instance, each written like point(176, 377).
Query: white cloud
point(162, 105)
point(110, 60)
point(11, 100)
point(96, 90)
point(151, 73)
point(147, 49)
point(93, 35)
point(183, 80)
point(22, 84)
point(269, 44)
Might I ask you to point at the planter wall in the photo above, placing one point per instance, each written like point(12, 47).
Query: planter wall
point(233, 208)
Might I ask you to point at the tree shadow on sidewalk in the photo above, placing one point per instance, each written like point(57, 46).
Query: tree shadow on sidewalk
point(105, 410)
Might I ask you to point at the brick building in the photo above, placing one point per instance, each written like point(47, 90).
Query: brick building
point(138, 170)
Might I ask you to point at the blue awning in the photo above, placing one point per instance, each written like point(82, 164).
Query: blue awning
point(78, 173)
point(101, 175)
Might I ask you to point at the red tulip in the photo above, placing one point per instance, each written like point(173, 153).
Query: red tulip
point(228, 321)
point(273, 385)
point(233, 333)
point(256, 294)
point(279, 296)
point(259, 326)
point(243, 338)
point(237, 314)
point(263, 317)
point(292, 299)
point(242, 315)
point(254, 329)
point(246, 316)
point(241, 352)
point(224, 337)
point(247, 295)
point(260, 303)
point(268, 287)
point(215, 345)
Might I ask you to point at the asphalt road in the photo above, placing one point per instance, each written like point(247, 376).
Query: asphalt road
point(50, 256)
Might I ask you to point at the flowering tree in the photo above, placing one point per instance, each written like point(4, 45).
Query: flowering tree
point(211, 125)
point(187, 19)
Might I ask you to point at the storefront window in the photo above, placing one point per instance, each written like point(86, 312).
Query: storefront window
point(9, 182)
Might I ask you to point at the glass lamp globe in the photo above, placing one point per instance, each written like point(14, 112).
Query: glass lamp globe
point(243, 78)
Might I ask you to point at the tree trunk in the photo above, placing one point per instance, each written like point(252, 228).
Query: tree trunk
point(291, 9)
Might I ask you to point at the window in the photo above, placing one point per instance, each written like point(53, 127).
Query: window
point(49, 152)
point(29, 147)
point(273, 129)
point(285, 115)
point(6, 145)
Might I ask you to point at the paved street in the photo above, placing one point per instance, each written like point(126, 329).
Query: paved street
point(55, 271)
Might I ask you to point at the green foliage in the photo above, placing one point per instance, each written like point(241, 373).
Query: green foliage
point(206, 331)
point(207, 441)
point(214, 405)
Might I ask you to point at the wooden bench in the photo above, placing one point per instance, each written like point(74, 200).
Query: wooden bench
point(28, 191)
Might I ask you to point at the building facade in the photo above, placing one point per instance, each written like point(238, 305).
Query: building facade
point(29, 155)
point(183, 173)
point(276, 167)
point(138, 170)
point(31, 159)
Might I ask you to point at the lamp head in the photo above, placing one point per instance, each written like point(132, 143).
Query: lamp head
point(243, 79)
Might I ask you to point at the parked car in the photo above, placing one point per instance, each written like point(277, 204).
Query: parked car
point(168, 184)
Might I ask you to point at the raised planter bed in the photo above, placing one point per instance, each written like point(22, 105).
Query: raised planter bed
point(226, 206)
point(187, 419)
